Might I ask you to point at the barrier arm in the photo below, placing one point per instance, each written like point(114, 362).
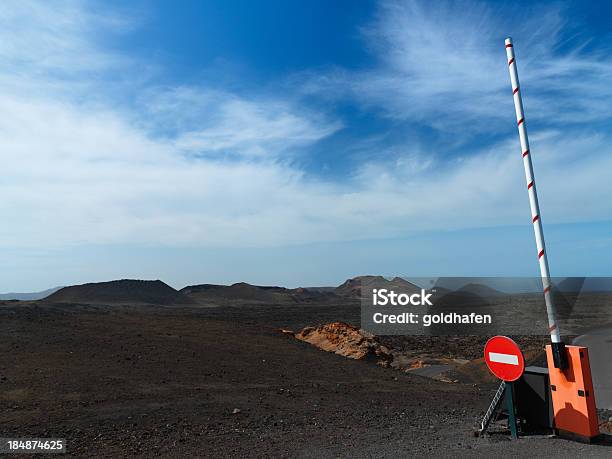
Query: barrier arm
point(558, 347)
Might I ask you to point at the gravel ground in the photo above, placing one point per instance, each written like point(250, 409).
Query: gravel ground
point(223, 382)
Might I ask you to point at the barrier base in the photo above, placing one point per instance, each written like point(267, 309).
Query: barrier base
point(572, 394)
point(577, 437)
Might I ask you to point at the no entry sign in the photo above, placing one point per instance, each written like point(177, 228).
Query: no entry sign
point(504, 358)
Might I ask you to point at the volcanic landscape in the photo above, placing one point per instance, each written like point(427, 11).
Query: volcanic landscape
point(129, 367)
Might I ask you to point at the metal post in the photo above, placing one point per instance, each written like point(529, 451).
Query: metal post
point(559, 352)
point(510, 408)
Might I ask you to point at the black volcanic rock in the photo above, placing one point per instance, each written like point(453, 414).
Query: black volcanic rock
point(125, 291)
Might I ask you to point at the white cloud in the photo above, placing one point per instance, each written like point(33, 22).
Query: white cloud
point(53, 46)
point(488, 188)
point(199, 166)
point(212, 122)
point(444, 65)
point(79, 169)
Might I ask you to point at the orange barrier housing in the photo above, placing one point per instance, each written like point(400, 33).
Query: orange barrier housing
point(572, 395)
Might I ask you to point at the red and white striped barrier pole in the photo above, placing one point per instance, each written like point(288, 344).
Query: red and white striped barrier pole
point(555, 335)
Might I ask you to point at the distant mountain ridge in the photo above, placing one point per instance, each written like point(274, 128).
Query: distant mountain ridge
point(156, 292)
point(244, 293)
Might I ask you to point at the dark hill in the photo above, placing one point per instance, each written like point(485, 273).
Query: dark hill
point(243, 293)
point(125, 291)
point(352, 288)
point(480, 290)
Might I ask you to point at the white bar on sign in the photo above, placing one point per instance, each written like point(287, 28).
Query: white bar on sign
point(510, 359)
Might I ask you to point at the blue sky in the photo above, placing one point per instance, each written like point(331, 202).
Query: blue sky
point(299, 143)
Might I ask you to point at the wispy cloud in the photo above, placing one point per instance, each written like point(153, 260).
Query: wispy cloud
point(443, 65)
point(45, 46)
point(213, 122)
point(191, 165)
point(202, 166)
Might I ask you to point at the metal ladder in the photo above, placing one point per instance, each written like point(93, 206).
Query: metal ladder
point(488, 417)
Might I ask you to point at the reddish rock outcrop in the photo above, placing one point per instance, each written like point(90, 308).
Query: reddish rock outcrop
point(348, 341)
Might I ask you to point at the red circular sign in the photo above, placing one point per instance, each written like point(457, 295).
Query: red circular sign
point(504, 358)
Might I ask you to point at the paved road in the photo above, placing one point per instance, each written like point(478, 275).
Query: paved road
point(599, 343)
